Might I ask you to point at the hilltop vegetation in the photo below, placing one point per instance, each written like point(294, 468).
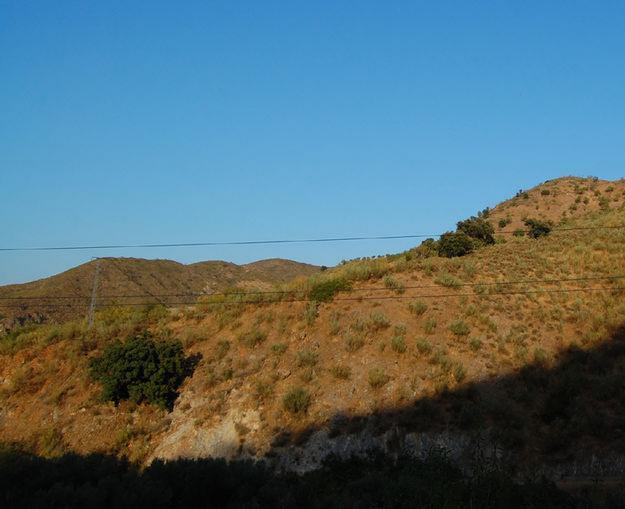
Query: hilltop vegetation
point(520, 336)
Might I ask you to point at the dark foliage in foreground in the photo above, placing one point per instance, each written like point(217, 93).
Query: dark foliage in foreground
point(104, 481)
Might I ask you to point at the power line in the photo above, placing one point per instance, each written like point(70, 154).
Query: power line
point(271, 241)
point(343, 299)
point(286, 292)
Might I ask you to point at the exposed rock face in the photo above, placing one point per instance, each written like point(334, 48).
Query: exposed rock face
point(224, 440)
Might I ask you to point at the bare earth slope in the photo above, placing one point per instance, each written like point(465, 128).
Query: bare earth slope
point(519, 344)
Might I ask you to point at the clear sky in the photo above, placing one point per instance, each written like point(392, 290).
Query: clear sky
point(131, 122)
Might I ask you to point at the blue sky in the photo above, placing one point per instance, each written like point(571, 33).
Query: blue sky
point(131, 122)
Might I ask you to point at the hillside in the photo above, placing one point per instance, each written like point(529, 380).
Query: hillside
point(132, 281)
point(518, 345)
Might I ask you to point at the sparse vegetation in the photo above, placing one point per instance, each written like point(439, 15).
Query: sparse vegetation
point(296, 401)
point(418, 307)
point(378, 378)
point(252, 338)
point(424, 346)
point(324, 291)
point(307, 358)
point(393, 284)
point(459, 328)
point(341, 372)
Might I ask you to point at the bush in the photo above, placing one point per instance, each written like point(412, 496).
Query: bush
point(538, 228)
point(311, 313)
point(459, 328)
point(378, 378)
point(545, 192)
point(325, 291)
point(279, 348)
point(418, 307)
point(354, 342)
point(392, 284)
point(504, 222)
point(378, 321)
point(429, 326)
point(296, 401)
point(398, 344)
point(424, 346)
point(252, 338)
point(447, 280)
point(307, 358)
point(341, 372)
point(479, 229)
point(455, 244)
point(142, 369)
point(519, 232)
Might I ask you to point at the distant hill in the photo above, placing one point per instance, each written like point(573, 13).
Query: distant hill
point(137, 281)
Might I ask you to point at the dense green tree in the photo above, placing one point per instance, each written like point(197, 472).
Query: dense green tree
point(538, 228)
point(479, 229)
point(453, 244)
point(141, 369)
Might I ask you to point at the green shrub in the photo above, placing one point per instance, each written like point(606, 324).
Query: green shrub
point(325, 291)
point(307, 358)
point(252, 338)
point(418, 307)
point(335, 324)
point(341, 372)
point(392, 284)
point(475, 344)
point(398, 344)
point(378, 321)
point(455, 244)
point(296, 401)
point(378, 378)
point(519, 232)
point(429, 326)
point(459, 328)
point(311, 313)
point(141, 369)
point(504, 222)
point(447, 280)
point(540, 356)
point(479, 229)
point(538, 228)
point(424, 346)
point(354, 342)
point(279, 348)
point(459, 372)
point(545, 192)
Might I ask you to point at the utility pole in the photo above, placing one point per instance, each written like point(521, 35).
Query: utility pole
point(94, 294)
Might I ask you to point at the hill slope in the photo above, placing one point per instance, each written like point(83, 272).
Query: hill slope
point(132, 281)
point(519, 344)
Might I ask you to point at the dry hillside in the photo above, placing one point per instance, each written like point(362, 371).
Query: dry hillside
point(522, 340)
point(133, 281)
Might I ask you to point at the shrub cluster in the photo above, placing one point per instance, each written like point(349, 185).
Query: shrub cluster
point(141, 369)
point(324, 291)
point(538, 228)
